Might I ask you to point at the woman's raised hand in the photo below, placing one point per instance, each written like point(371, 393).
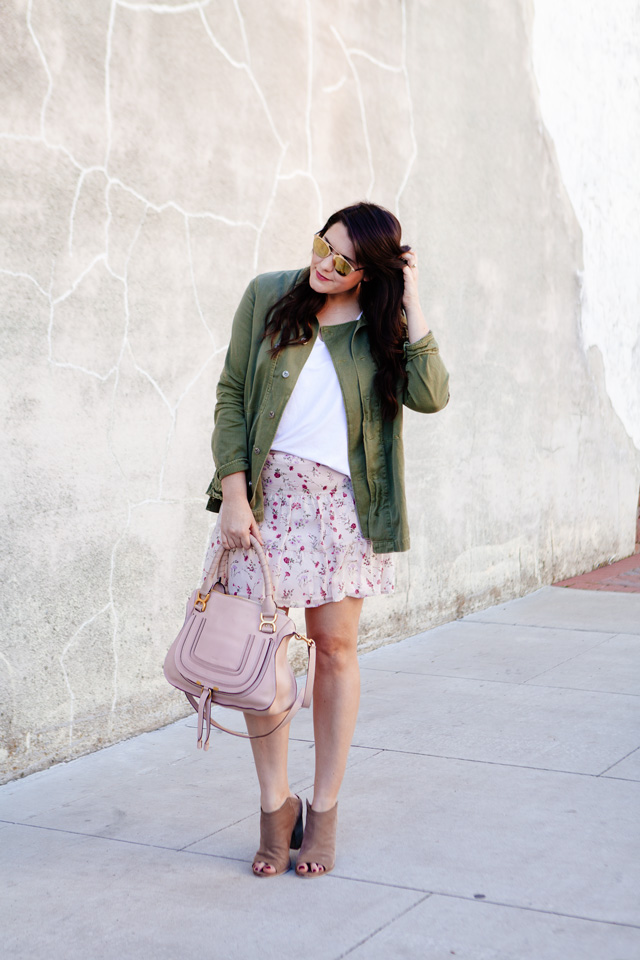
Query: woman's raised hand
point(417, 326)
point(237, 521)
point(410, 273)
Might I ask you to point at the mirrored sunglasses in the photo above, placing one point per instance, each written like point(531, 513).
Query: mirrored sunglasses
point(322, 249)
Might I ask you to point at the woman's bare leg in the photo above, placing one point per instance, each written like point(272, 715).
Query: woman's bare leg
point(336, 696)
point(270, 757)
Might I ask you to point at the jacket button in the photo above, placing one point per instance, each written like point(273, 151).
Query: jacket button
point(285, 373)
point(271, 414)
point(256, 449)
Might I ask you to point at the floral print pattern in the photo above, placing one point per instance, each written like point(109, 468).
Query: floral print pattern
point(312, 539)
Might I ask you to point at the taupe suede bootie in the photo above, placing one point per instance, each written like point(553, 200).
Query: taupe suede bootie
point(280, 831)
point(319, 842)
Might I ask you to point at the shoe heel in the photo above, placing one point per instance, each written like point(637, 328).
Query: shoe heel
point(296, 836)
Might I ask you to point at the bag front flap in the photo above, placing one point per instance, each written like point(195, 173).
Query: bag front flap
point(223, 647)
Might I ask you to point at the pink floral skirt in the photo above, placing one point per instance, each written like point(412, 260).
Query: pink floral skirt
point(312, 539)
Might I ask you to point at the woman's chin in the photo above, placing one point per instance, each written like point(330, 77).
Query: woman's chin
point(320, 286)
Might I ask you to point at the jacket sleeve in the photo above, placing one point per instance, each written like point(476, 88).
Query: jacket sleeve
point(427, 386)
point(229, 439)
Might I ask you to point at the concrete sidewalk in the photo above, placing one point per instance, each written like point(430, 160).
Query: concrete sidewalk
point(490, 812)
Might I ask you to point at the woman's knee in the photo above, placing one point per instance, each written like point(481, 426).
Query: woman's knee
point(336, 651)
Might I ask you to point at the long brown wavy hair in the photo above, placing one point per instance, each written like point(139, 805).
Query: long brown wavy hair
point(376, 235)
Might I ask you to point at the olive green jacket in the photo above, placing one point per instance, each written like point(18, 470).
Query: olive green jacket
point(254, 389)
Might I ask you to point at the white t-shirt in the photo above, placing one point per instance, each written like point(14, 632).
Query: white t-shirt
point(314, 422)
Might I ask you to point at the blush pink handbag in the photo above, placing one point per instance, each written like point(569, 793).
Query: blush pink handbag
point(232, 651)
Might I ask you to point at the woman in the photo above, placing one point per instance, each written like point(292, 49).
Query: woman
point(308, 449)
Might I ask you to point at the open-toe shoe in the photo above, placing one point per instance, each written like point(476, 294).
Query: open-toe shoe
point(280, 831)
point(319, 842)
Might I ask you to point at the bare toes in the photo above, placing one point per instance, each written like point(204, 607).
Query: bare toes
point(310, 868)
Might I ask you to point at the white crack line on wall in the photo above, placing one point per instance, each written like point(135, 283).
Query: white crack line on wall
point(131, 506)
point(412, 126)
point(26, 276)
point(247, 68)
point(169, 204)
point(350, 53)
point(335, 86)
point(45, 102)
point(308, 176)
point(308, 173)
point(67, 647)
point(74, 203)
point(243, 32)
point(26, 137)
point(124, 345)
point(112, 603)
point(356, 52)
point(238, 65)
point(164, 7)
point(187, 232)
point(100, 258)
point(49, 92)
point(184, 393)
point(172, 205)
point(172, 409)
point(107, 229)
point(363, 112)
point(14, 690)
point(307, 116)
point(268, 208)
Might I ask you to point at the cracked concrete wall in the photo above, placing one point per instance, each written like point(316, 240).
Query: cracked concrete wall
point(155, 157)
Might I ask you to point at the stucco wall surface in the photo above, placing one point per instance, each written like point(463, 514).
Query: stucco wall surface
point(155, 157)
point(587, 65)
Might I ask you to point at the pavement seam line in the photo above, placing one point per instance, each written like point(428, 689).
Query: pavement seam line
point(495, 903)
point(574, 657)
point(301, 785)
point(529, 682)
point(494, 763)
point(88, 836)
point(558, 686)
point(635, 749)
point(547, 626)
point(553, 913)
point(382, 927)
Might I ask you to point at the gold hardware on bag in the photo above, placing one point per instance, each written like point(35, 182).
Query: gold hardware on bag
point(202, 600)
point(271, 621)
point(301, 636)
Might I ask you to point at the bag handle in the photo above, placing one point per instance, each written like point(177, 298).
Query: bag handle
point(203, 705)
point(269, 607)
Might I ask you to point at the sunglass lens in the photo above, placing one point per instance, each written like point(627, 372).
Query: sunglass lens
point(321, 247)
point(343, 267)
